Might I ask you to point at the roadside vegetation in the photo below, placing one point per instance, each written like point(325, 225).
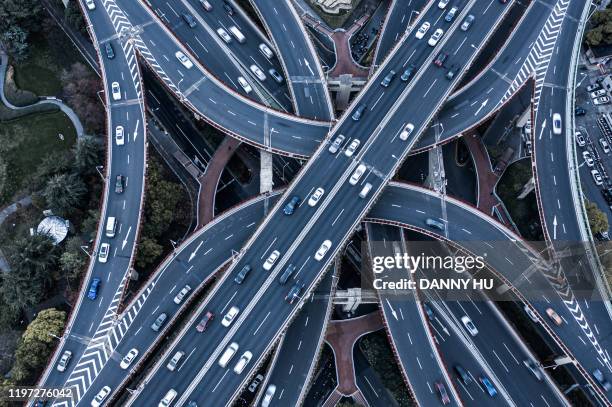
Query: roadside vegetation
point(600, 32)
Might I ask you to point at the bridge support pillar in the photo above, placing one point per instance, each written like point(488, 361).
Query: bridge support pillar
point(265, 176)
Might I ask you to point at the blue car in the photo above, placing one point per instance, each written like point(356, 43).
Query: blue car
point(486, 383)
point(291, 205)
point(93, 288)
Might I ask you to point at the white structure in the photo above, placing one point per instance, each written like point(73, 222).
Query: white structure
point(54, 227)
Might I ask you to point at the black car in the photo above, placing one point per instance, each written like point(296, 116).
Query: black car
point(359, 112)
point(579, 111)
point(387, 80)
point(294, 292)
point(291, 205)
point(191, 22)
point(110, 52)
point(440, 59)
point(408, 73)
point(452, 72)
point(285, 276)
point(463, 375)
point(228, 9)
point(242, 274)
point(119, 184)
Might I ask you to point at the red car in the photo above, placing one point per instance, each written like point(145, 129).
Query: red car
point(205, 321)
point(443, 394)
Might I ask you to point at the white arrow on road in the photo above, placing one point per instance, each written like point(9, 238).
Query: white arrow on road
point(136, 129)
point(542, 129)
point(444, 328)
point(126, 238)
point(192, 255)
point(555, 228)
point(483, 104)
point(392, 310)
point(308, 66)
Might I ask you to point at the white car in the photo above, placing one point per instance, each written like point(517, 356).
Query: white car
point(119, 139)
point(224, 35)
point(598, 93)
point(604, 145)
point(580, 139)
point(593, 87)
point(588, 158)
point(435, 37)
point(242, 362)
point(596, 177)
point(422, 30)
point(90, 4)
point(100, 397)
point(229, 317)
point(116, 91)
point(264, 49)
point(335, 145)
point(245, 85)
point(556, 122)
point(267, 398)
point(128, 358)
point(315, 197)
point(183, 59)
point(350, 150)
point(602, 100)
point(103, 253)
point(469, 325)
point(271, 260)
point(443, 3)
point(322, 250)
point(178, 298)
point(258, 72)
point(64, 360)
point(361, 168)
point(406, 132)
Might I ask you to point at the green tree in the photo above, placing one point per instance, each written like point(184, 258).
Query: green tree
point(64, 193)
point(162, 198)
point(87, 155)
point(32, 260)
point(73, 260)
point(90, 224)
point(15, 39)
point(148, 252)
point(598, 220)
point(47, 325)
point(22, 13)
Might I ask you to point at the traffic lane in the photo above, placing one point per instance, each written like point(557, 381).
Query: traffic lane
point(289, 35)
point(398, 19)
point(207, 257)
point(503, 354)
point(370, 383)
point(405, 324)
point(298, 353)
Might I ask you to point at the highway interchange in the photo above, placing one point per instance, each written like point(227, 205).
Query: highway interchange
point(150, 32)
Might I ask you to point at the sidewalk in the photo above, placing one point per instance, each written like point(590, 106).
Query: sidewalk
point(341, 336)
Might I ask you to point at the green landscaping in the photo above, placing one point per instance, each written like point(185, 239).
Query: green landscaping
point(24, 143)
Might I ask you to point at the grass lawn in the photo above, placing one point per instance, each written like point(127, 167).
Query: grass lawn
point(24, 142)
point(40, 72)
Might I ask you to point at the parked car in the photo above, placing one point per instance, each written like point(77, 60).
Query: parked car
point(593, 87)
point(580, 139)
point(602, 100)
point(579, 111)
point(597, 177)
point(588, 158)
point(598, 93)
point(255, 383)
point(605, 146)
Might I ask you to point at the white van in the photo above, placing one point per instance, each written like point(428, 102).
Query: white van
point(237, 34)
point(365, 190)
point(170, 395)
point(111, 226)
point(175, 360)
point(228, 354)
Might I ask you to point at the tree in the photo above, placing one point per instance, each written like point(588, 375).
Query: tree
point(47, 325)
point(22, 13)
point(598, 221)
point(87, 155)
point(73, 260)
point(32, 260)
point(15, 40)
point(161, 201)
point(90, 224)
point(148, 251)
point(601, 33)
point(64, 193)
point(80, 88)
